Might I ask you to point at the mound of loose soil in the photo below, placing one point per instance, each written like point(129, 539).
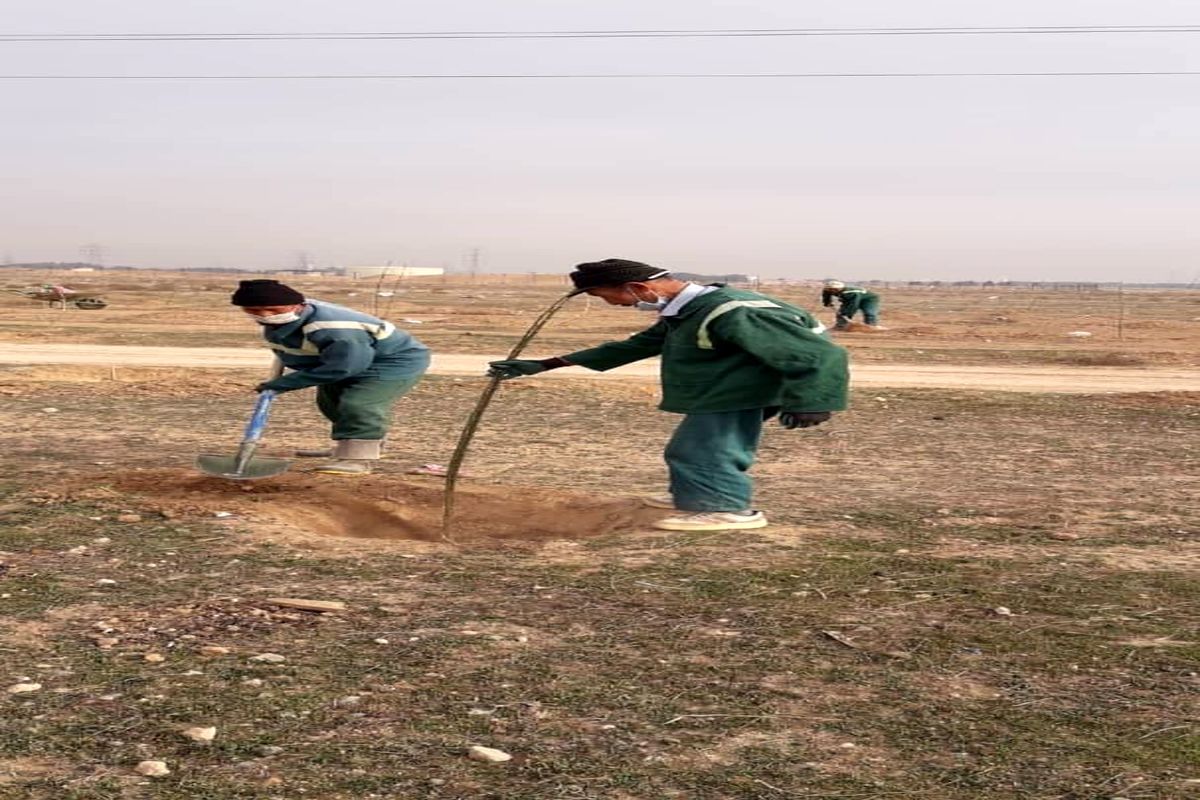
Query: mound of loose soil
point(386, 506)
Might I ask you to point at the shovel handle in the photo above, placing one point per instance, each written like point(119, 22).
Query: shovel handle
point(258, 420)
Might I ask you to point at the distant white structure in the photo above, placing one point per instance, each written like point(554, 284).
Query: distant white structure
point(393, 271)
point(83, 269)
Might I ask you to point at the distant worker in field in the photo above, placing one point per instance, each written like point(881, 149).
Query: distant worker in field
point(731, 360)
point(361, 366)
point(852, 299)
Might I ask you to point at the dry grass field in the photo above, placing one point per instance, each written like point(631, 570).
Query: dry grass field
point(964, 594)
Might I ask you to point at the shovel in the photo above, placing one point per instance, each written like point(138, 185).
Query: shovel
point(243, 465)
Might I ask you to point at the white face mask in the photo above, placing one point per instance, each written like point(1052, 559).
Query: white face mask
point(657, 304)
point(277, 319)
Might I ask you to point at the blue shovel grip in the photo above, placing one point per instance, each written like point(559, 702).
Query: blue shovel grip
point(258, 420)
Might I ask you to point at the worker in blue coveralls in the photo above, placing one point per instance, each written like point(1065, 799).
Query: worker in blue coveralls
point(360, 364)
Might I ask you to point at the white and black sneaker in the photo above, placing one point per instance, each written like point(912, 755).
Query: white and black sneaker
point(713, 521)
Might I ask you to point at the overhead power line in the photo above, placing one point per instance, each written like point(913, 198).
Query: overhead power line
point(604, 76)
point(598, 34)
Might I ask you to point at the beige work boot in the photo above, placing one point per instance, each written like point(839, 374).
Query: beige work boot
point(331, 452)
point(346, 467)
point(353, 457)
point(712, 521)
point(659, 501)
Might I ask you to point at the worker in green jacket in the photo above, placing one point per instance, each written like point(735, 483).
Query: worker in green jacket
point(731, 359)
point(853, 299)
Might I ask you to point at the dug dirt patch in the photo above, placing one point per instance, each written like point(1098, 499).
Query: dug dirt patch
point(385, 506)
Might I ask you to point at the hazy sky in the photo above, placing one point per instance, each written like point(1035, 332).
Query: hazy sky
point(1020, 178)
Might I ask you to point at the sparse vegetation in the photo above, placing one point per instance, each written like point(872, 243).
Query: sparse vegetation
point(965, 595)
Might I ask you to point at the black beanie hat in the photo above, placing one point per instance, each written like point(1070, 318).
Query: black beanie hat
point(264, 292)
point(613, 272)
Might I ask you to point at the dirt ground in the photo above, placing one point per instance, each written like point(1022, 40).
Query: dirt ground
point(100, 363)
point(967, 326)
point(964, 594)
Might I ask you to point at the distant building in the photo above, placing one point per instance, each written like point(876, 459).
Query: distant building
point(83, 269)
point(392, 271)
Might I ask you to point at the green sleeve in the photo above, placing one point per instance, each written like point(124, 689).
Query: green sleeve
point(850, 304)
point(647, 344)
point(815, 371)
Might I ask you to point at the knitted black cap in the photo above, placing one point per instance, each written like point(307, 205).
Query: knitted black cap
point(613, 272)
point(264, 292)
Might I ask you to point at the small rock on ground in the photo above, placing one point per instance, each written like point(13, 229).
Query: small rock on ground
point(488, 755)
point(201, 735)
point(152, 769)
point(24, 688)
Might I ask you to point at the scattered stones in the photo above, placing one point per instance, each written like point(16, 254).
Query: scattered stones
point(152, 769)
point(269, 750)
point(1064, 536)
point(214, 650)
point(24, 688)
point(129, 517)
point(1002, 611)
point(201, 735)
point(488, 755)
point(49, 410)
point(381, 641)
point(106, 642)
point(269, 658)
point(106, 582)
point(154, 658)
point(347, 701)
point(321, 606)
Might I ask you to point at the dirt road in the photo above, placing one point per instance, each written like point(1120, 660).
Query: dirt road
point(1012, 379)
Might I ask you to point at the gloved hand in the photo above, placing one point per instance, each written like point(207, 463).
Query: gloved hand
point(516, 368)
point(262, 387)
point(803, 419)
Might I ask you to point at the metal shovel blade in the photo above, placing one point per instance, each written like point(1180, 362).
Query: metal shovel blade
point(227, 467)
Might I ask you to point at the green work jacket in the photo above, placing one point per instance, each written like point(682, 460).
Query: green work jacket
point(732, 350)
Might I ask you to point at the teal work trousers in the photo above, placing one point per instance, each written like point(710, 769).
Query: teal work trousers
point(709, 457)
point(362, 408)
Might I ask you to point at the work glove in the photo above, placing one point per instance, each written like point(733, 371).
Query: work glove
point(516, 368)
point(803, 419)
